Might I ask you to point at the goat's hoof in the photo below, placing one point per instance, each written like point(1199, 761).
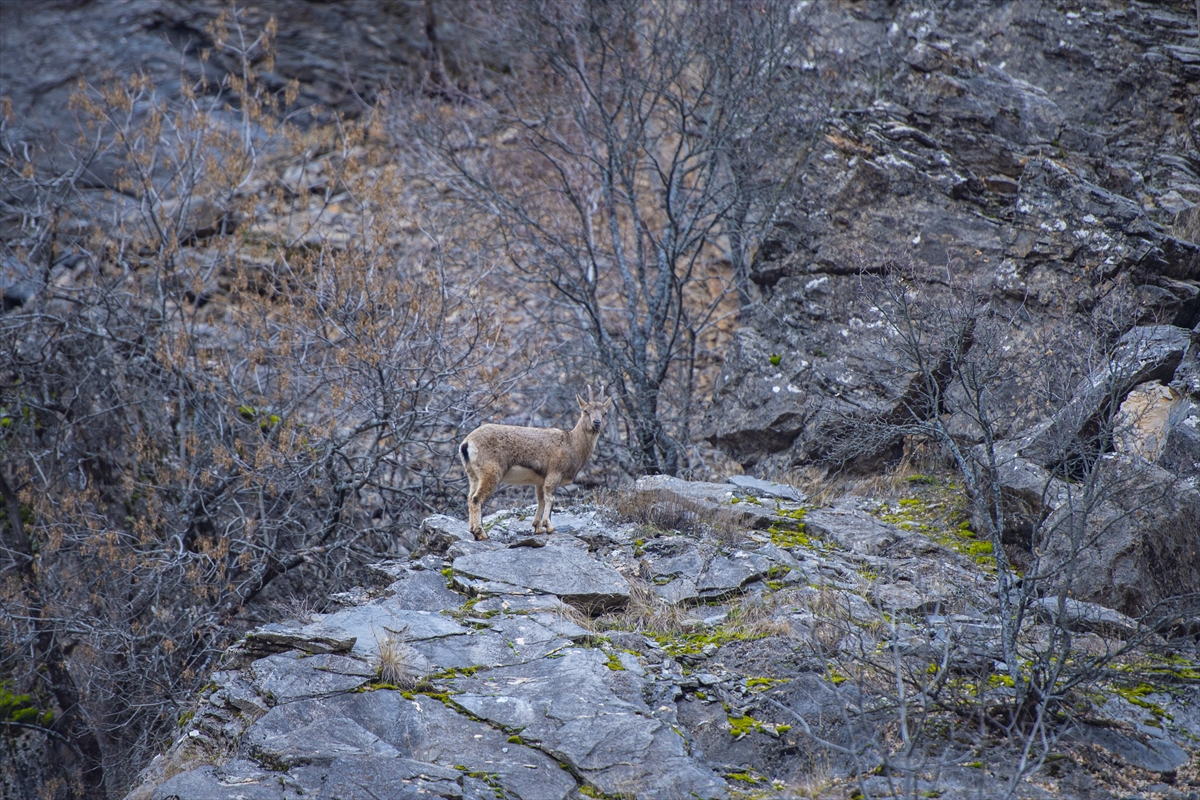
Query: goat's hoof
point(479, 535)
point(548, 529)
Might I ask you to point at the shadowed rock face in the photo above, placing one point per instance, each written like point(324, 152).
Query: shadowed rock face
point(341, 54)
point(1040, 155)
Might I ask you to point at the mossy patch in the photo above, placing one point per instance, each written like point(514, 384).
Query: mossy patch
point(588, 790)
point(744, 777)
point(938, 510)
point(744, 725)
point(786, 536)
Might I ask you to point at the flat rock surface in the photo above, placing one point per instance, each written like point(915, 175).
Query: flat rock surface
point(727, 574)
point(852, 529)
point(566, 572)
point(576, 709)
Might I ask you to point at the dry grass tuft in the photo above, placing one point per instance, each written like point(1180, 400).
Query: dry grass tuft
point(680, 516)
point(757, 619)
point(572, 614)
point(397, 663)
point(646, 612)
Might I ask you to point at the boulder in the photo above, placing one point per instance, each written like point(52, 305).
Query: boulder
point(440, 532)
point(1141, 355)
point(757, 487)
point(1126, 539)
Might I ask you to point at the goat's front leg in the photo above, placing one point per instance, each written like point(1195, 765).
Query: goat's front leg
point(537, 516)
point(545, 494)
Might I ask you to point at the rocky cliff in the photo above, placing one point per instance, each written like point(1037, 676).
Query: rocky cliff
point(1042, 153)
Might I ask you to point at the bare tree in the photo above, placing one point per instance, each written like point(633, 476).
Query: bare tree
point(627, 163)
point(958, 346)
point(205, 402)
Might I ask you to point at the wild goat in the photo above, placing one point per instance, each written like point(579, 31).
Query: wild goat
point(546, 457)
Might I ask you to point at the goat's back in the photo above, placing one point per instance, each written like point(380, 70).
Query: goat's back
point(507, 446)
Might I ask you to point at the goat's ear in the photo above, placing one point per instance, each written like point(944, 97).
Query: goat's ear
point(607, 403)
point(582, 402)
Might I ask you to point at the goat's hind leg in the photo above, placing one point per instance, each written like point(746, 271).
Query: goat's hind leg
point(483, 484)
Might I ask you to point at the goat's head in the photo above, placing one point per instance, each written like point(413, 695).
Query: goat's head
point(592, 410)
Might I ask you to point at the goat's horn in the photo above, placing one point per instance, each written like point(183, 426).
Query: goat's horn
point(590, 393)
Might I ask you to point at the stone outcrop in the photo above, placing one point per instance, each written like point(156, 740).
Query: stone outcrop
point(511, 692)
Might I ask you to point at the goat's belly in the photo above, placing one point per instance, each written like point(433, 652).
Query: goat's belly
point(523, 475)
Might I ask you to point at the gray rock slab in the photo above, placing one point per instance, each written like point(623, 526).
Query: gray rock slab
point(760, 488)
point(478, 586)
point(453, 739)
point(234, 691)
point(374, 622)
point(467, 548)
point(362, 727)
point(277, 637)
point(422, 590)
point(287, 676)
point(522, 604)
point(204, 784)
point(567, 572)
point(572, 709)
point(368, 778)
point(1155, 755)
point(528, 638)
point(852, 529)
point(439, 532)
point(726, 575)
point(679, 591)
point(513, 525)
point(480, 649)
point(686, 561)
point(608, 534)
point(561, 626)
point(306, 732)
point(383, 573)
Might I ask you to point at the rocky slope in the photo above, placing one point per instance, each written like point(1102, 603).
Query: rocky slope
point(624, 659)
point(1044, 153)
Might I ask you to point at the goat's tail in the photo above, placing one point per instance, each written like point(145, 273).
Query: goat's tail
point(465, 451)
